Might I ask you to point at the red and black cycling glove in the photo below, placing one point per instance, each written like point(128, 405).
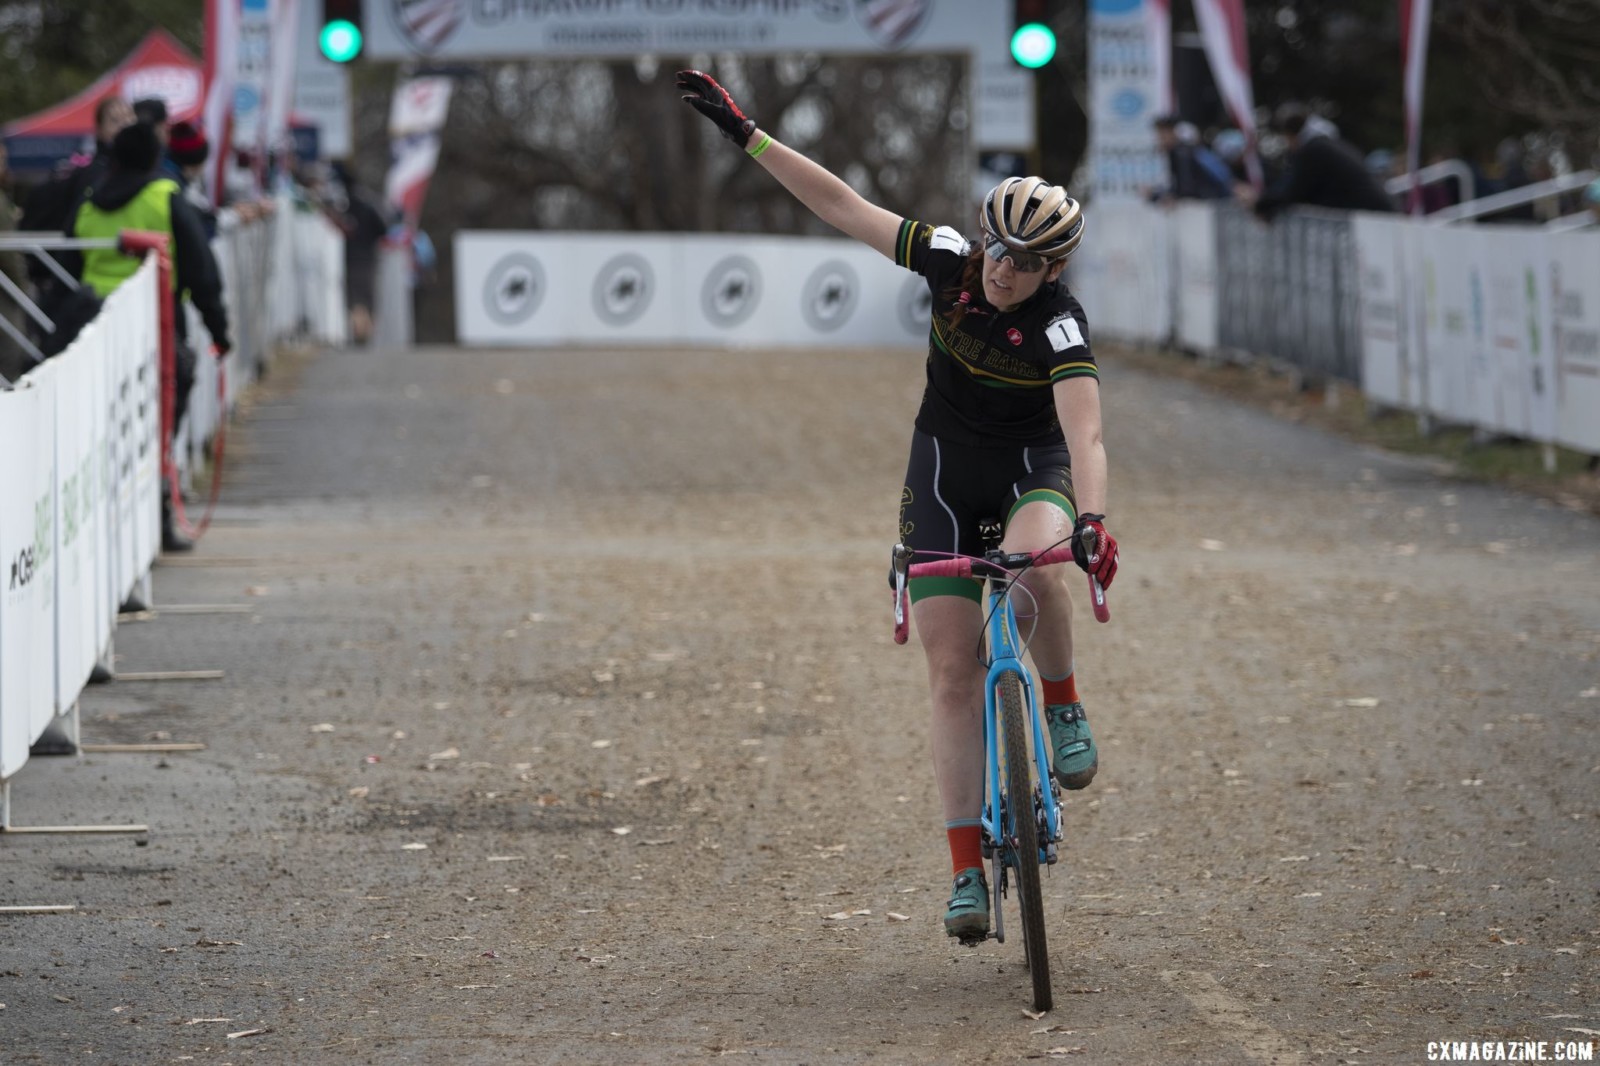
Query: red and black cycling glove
point(710, 99)
point(1094, 549)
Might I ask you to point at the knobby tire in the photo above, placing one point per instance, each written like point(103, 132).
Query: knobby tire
point(1019, 798)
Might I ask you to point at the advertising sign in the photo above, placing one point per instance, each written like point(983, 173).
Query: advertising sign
point(536, 289)
point(1129, 86)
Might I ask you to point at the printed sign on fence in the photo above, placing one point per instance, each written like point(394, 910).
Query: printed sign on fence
point(28, 556)
point(1575, 313)
point(1384, 337)
point(1518, 298)
point(19, 580)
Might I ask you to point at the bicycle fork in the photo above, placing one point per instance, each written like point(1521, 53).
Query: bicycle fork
point(1043, 806)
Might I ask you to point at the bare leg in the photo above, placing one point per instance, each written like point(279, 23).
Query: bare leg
point(1037, 526)
point(949, 628)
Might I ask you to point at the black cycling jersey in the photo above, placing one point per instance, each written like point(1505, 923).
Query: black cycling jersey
point(990, 378)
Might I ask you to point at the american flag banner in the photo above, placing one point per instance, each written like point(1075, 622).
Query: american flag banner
point(221, 64)
point(416, 116)
point(1222, 29)
point(1415, 16)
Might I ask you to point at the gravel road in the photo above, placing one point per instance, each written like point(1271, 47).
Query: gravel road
point(561, 722)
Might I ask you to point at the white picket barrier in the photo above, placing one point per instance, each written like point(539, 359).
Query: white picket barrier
point(80, 512)
point(1495, 327)
point(80, 504)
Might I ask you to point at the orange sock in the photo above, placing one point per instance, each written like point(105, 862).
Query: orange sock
point(966, 845)
point(1059, 690)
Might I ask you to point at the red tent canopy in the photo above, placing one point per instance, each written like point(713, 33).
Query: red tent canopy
point(159, 66)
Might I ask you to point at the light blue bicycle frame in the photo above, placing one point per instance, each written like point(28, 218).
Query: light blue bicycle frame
point(1005, 657)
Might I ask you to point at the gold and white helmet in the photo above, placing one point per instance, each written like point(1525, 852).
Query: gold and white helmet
point(1031, 215)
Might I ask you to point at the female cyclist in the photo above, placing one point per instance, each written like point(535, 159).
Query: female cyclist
point(1009, 428)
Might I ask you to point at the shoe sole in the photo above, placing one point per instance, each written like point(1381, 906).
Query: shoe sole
point(968, 928)
point(1079, 780)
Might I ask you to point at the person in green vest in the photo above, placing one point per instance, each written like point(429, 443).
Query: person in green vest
point(135, 196)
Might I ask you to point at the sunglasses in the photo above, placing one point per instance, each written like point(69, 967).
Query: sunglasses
point(1000, 252)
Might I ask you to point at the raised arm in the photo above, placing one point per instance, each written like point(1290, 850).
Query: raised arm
point(827, 197)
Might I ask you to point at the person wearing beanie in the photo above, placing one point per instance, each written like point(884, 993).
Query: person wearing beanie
point(135, 196)
point(187, 152)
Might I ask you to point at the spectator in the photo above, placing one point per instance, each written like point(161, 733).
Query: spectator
point(152, 111)
point(134, 196)
point(364, 229)
point(187, 152)
point(1322, 170)
point(1230, 145)
point(1193, 171)
point(52, 205)
point(14, 359)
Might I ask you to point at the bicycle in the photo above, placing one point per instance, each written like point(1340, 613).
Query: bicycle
point(1021, 822)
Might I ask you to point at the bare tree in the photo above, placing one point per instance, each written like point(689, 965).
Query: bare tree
point(588, 145)
point(1539, 60)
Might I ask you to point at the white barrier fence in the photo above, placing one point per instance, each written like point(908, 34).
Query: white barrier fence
point(80, 511)
point(80, 503)
point(1495, 327)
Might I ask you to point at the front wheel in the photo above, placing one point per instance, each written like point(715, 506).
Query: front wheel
point(1022, 836)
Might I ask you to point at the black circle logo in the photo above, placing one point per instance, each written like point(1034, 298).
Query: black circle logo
point(830, 295)
point(915, 306)
point(731, 291)
point(514, 290)
point(623, 289)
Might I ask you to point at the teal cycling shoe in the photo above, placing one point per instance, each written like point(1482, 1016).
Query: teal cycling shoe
point(1074, 756)
point(968, 913)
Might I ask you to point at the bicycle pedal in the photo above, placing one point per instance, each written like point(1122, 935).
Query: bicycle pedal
point(974, 941)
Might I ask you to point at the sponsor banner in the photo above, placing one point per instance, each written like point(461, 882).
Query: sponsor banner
point(1129, 86)
point(252, 79)
point(27, 674)
point(548, 29)
point(536, 289)
point(1517, 294)
point(1575, 327)
point(1194, 233)
point(1386, 351)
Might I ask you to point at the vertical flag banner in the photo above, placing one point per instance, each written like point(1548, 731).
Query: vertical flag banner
point(221, 61)
point(1228, 51)
point(252, 74)
point(1130, 83)
point(1414, 18)
point(281, 69)
point(416, 116)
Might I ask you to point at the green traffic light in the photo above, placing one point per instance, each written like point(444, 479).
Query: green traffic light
point(340, 41)
point(1033, 45)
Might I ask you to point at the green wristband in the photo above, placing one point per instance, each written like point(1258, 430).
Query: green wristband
point(766, 142)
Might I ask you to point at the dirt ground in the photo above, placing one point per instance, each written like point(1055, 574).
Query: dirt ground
point(561, 723)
